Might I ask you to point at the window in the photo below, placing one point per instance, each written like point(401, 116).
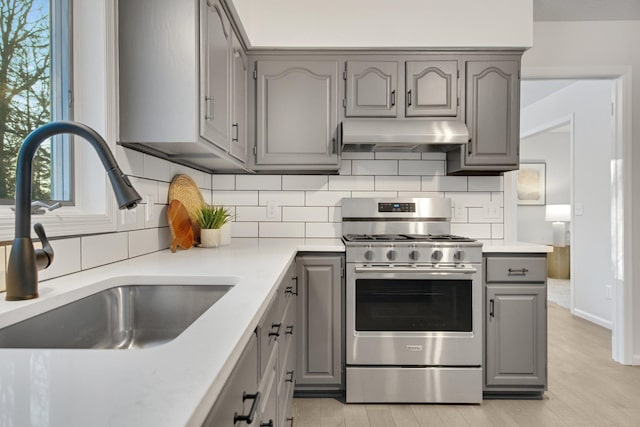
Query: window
point(35, 64)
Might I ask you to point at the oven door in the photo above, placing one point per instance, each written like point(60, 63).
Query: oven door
point(414, 316)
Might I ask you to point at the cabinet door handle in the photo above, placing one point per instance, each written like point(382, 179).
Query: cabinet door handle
point(289, 290)
point(290, 421)
point(518, 271)
point(393, 98)
point(290, 379)
point(275, 326)
point(269, 424)
point(252, 411)
point(235, 129)
point(208, 111)
point(409, 98)
point(289, 330)
point(491, 313)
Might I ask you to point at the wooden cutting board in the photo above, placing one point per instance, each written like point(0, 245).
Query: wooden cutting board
point(180, 226)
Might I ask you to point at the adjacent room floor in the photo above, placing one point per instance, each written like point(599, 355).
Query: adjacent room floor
point(586, 388)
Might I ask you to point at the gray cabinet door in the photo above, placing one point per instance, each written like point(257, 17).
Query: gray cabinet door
point(371, 89)
point(214, 98)
point(432, 88)
point(493, 113)
point(516, 327)
point(239, 73)
point(296, 117)
point(319, 320)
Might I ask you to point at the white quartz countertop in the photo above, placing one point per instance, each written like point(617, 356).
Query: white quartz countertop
point(174, 384)
point(490, 247)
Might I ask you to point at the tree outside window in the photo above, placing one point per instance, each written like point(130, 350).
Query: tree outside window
point(26, 95)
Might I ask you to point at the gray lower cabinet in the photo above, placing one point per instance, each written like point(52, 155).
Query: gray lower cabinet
point(320, 363)
point(515, 324)
point(175, 91)
point(371, 88)
point(493, 118)
point(296, 115)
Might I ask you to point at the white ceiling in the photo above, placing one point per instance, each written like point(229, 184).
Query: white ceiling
point(586, 10)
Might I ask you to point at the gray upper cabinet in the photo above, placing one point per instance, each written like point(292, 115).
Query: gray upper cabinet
point(432, 88)
point(319, 322)
point(371, 88)
point(492, 116)
point(296, 114)
point(239, 76)
point(175, 89)
point(215, 44)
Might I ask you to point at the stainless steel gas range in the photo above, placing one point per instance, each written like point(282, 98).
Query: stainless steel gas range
point(413, 303)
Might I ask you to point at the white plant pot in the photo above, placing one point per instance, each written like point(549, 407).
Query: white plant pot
point(225, 236)
point(210, 238)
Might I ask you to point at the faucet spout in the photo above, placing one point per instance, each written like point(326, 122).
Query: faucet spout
point(22, 269)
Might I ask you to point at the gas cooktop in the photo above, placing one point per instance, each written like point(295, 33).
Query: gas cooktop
point(405, 238)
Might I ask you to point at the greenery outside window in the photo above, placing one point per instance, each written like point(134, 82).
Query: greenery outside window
point(35, 76)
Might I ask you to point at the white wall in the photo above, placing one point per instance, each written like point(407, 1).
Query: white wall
point(598, 47)
point(381, 23)
point(552, 147)
point(589, 102)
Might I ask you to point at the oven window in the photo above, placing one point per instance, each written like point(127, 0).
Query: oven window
point(413, 305)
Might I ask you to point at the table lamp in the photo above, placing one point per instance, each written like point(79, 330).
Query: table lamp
point(558, 215)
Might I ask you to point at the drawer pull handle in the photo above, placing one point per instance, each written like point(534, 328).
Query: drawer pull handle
point(519, 271)
point(252, 412)
point(289, 290)
point(275, 333)
point(289, 330)
point(290, 379)
point(290, 421)
point(491, 314)
point(269, 424)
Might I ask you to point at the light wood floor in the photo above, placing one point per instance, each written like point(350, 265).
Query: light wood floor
point(586, 388)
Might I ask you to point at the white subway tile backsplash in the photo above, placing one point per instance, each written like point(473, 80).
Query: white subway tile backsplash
point(478, 215)
point(398, 156)
point(346, 167)
point(131, 162)
point(474, 200)
point(351, 183)
point(158, 169)
point(67, 258)
point(374, 167)
point(159, 219)
point(498, 197)
point(3, 269)
point(420, 194)
point(421, 167)
point(256, 214)
point(282, 198)
point(335, 214)
point(163, 192)
point(103, 249)
point(305, 182)
point(235, 198)
point(485, 183)
point(325, 198)
point(434, 156)
point(497, 231)
point(397, 183)
point(202, 180)
point(306, 214)
point(323, 230)
point(146, 241)
point(146, 188)
point(244, 229)
point(258, 182)
point(475, 231)
point(131, 219)
point(357, 156)
point(223, 182)
point(379, 194)
point(281, 229)
point(444, 183)
point(207, 196)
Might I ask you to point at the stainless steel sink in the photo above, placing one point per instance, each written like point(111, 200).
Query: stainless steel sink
point(123, 317)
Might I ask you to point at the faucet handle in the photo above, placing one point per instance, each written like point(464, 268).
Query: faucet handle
point(44, 256)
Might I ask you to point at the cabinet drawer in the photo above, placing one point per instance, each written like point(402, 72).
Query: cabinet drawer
point(516, 269)
point(269, 329)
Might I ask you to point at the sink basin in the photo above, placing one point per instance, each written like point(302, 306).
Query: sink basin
point(123, 317)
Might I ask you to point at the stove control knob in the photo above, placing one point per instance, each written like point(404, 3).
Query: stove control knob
point(414, 255)
point(458, 256)
point(392, 255)
point(369, 255)
point(436, 255)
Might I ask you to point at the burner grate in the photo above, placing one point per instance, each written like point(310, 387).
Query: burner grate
point(406, 237)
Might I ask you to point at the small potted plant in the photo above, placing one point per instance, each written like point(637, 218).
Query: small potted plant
point(211, 218)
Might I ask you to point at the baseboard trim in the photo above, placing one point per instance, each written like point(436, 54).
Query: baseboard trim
point(593, 319)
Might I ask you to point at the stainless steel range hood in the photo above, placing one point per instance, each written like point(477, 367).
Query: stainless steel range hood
point(404, 135)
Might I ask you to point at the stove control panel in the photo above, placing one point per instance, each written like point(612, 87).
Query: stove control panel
point(396, 207)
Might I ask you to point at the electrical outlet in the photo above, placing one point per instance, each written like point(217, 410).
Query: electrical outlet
point(459, 211)
point(273, 209)
point(150, 207)
point(609, 291)
point(578, 209)
point(491, 210)
point(127, 217)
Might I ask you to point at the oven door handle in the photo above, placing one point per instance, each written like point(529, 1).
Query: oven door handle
point(419, 270)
